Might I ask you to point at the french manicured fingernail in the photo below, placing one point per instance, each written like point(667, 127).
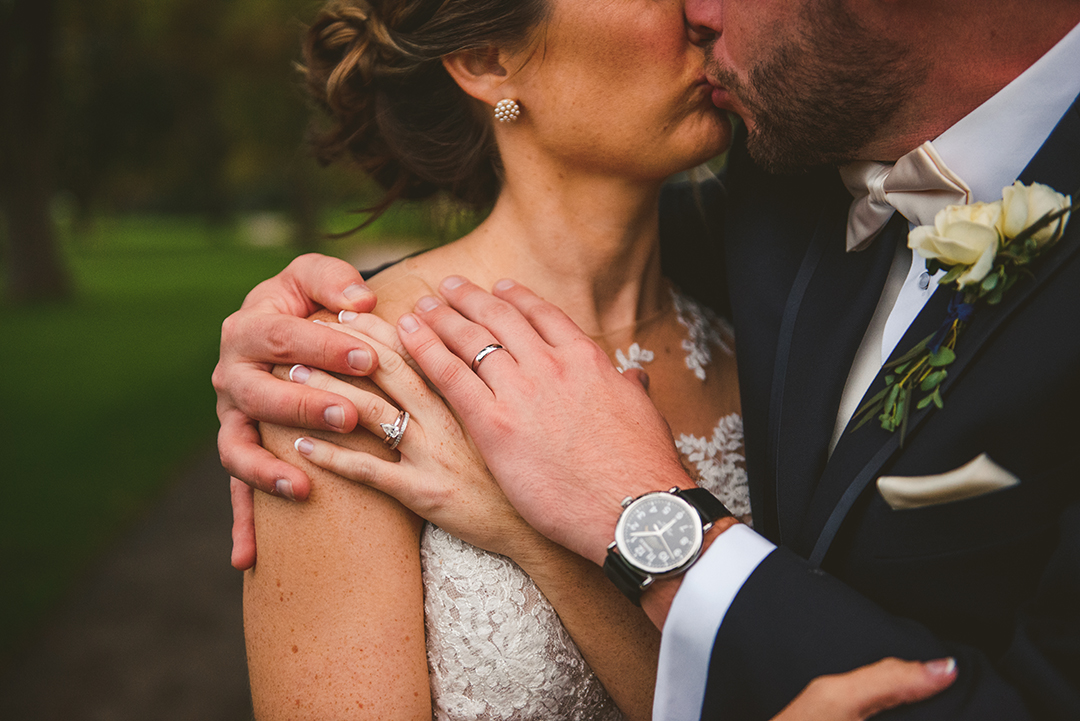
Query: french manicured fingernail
point(347, 315)
point(284, 488)
point(356, 291)
point(335, 416)
point(452, 282)
point(408, 323)
point(359, 360)
point(304, 447)
point(299, 374)
point(427, 303)
point(941, 666)
point(505, 284)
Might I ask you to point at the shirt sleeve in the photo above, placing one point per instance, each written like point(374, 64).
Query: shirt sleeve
point(696, 613)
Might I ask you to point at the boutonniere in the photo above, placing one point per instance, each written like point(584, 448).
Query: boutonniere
point(985, 249)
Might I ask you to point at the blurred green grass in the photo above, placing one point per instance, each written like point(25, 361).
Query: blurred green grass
point(104, 397)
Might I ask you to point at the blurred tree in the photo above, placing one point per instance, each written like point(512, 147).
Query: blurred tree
point(27, 73)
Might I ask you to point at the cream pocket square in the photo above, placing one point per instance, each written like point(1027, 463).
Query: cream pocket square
point(974, 478)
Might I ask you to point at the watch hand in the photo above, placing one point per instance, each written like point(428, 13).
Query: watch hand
point(664, 530)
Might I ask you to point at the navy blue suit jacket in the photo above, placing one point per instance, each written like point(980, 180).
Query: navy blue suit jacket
point(992, 580)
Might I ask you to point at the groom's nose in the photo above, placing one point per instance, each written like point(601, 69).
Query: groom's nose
point(704, 19)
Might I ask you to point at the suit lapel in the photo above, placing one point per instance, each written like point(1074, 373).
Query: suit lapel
point(830, 304)
point(859, 456)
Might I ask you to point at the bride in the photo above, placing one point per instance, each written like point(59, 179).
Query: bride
point(355, 606)
point(566, 116)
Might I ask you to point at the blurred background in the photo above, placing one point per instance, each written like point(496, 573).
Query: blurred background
point(152, 171)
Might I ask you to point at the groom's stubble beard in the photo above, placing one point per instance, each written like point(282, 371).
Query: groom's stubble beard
point(819, 98)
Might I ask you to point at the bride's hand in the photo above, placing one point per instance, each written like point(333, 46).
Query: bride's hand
point(440, 475)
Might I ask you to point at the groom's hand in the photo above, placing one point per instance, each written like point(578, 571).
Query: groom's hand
point(565, 434)
point(270, 329)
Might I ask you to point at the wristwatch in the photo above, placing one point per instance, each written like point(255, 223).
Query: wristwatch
point(658, 535)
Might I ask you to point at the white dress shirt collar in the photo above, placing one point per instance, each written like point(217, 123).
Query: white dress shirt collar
point(993, 144)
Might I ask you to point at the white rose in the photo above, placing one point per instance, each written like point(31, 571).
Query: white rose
point(1024, 205)
point(966, 235)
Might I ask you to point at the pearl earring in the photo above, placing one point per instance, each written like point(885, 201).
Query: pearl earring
point(507, 111)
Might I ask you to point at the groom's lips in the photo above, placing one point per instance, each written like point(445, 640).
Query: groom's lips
point(721, 98)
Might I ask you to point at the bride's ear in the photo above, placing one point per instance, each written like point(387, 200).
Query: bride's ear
point(481, 73)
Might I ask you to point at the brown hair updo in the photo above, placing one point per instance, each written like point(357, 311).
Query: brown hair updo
point(374, 66)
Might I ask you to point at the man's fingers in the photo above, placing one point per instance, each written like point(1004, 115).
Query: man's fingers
point(312, 281)
point(272, 338)
point(243, 529)
point(462, 388)
point(553, 325)
point(244, 458)
point(499, 317)
point(467, 340)
point(371, 409)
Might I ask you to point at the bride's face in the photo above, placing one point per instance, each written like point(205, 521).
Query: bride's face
point(616, 86)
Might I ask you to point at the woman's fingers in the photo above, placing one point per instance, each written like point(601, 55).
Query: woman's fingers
point(354, 465)
point(870, 690)
point(371, 408)
point(369, 325)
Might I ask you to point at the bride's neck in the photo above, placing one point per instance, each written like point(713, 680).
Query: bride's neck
point(588, 244)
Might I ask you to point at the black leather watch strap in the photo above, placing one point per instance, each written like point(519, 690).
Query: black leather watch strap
point(630, 581)
point(708, 506)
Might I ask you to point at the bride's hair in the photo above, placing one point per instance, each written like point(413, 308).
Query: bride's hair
point(374, 67)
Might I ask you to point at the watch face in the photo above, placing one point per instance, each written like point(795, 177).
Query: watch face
point(659, 533)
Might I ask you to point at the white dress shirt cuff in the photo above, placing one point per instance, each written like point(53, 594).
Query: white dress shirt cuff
point(697, 611)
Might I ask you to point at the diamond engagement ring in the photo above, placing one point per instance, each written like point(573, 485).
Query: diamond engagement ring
point(394, 431)
point(484, 353)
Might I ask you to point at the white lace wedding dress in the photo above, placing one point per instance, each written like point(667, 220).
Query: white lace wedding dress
point(496, 648)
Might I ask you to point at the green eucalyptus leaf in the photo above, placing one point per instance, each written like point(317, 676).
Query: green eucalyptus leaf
point(933, 380)
point(894, 393)
point(927, 400)
point(936, 396)
point(890, 379)
point(990, 282)
point(943, 357)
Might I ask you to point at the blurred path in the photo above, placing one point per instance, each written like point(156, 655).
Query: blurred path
point(154, 631)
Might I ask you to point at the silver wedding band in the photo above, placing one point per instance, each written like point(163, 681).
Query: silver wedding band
point(396, 430)
point(484, 353)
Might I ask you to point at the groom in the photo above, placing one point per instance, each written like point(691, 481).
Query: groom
point(962, 541)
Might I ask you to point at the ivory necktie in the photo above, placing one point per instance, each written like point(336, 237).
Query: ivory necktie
point(918, 185)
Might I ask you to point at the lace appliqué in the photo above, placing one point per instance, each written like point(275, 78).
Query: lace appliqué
point(705, 330)
point(633, 358)
point(496, 648)
point(716, 460)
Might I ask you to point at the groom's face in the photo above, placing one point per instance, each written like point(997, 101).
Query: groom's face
point(814, 85)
